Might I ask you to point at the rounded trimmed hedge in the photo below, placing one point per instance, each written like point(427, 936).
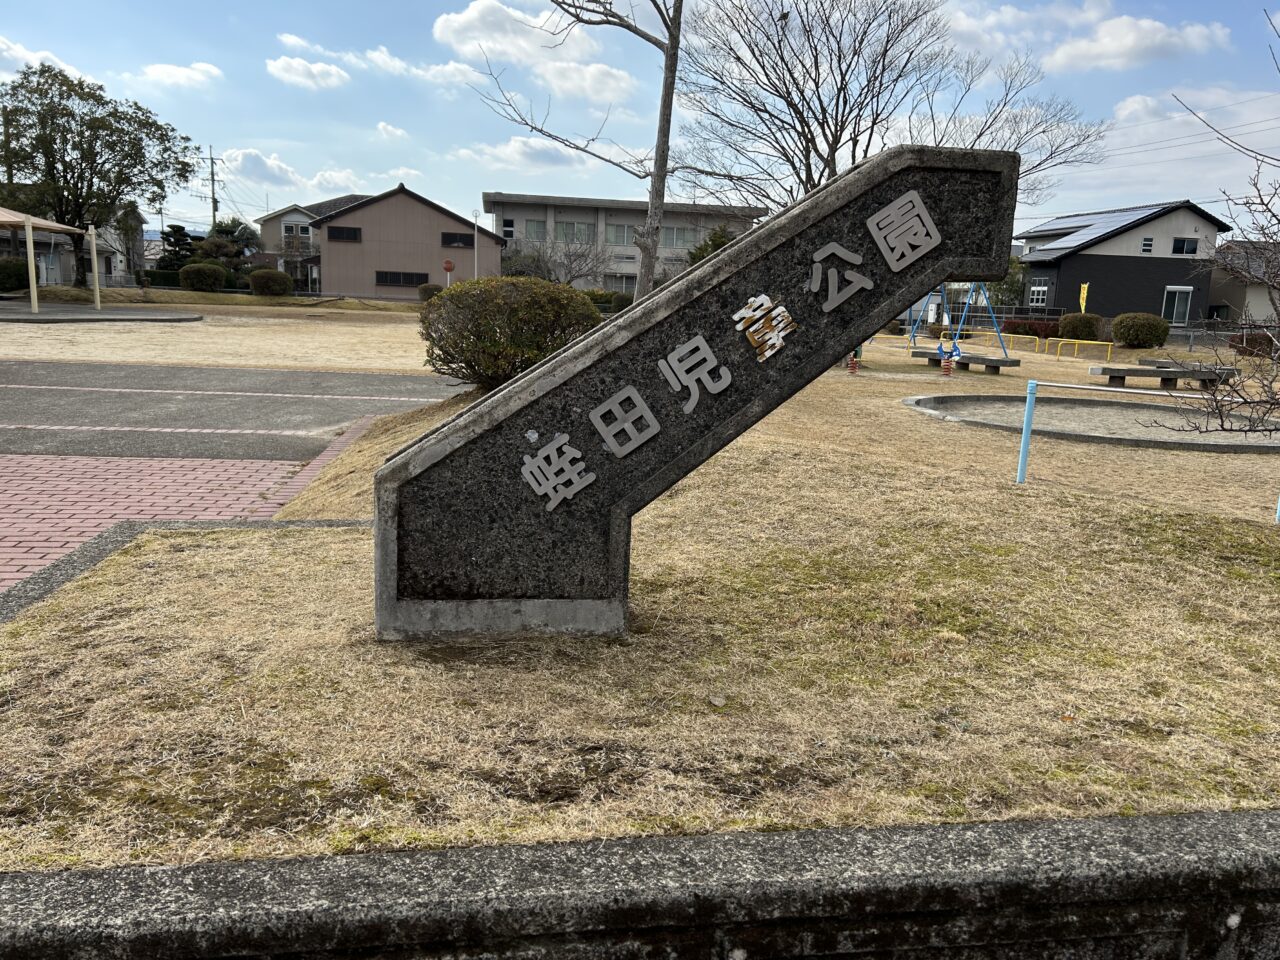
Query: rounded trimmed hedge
point(203, 277)
point(489, 330)
point(270, 283)
point(428, 290)
point(620, 301)
point(1140, 330)
point(13, 274)
point(1079, 326)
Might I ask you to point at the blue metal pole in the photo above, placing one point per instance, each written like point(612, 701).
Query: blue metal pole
point(1026, 431)
point(986, 297)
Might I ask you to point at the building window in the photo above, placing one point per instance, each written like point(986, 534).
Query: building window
point(509, 229)
point(619, 234)
point(1177, 305)
point(679, 236)
point(1147, 244)
point(567, 231)
point(288, 229)
point(1185, 245)
point(1038, 292)
point(457, 240)
point(535, 229)
point(304, 231)
point(620, 282)
point(345, 234)
point(625, 257)
point(395, 278)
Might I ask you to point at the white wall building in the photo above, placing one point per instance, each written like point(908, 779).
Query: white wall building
point(611, 224)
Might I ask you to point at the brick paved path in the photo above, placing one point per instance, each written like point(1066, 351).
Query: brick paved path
point(51, 505)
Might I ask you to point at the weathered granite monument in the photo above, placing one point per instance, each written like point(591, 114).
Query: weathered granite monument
point(516, 514)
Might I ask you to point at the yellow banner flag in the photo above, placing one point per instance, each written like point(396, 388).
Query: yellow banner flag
point(1084, 295)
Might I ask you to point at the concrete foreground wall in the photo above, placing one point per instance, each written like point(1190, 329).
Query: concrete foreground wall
point(1198, 885)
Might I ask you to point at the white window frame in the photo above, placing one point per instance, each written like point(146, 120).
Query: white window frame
point(1038, 285)
point(584, 231)
point(535, 230)
point(671, 237)
point(628, 234)
point(288, 229)
point(1186, 316)
point(620, 283)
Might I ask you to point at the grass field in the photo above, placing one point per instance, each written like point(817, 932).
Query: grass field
point(133, 295)
point(850, 616)
point(317, 339)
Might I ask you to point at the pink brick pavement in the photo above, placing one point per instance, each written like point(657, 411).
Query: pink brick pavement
point(51, 505)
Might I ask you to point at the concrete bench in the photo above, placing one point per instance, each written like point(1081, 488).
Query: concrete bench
point(1168, 376)
point(965, 360)
point(1164, 363)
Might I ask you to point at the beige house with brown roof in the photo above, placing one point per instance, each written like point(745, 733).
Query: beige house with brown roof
point(380, 246)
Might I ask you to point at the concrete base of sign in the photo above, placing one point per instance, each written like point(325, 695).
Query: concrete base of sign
point(514, 517)
point(495, 617)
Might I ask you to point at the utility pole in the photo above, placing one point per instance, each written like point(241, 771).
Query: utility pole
point(213, 189)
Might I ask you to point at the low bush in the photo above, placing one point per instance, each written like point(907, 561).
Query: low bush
point(163, 278)
point(1140, 330)
point(270, 283)
point(1032, 327)
point(936, 331)
point(1079, 326)
point(620, 301)
point(204, 277)
point(601, 298)
point(1255, 343)
point(428, 290)
point(488, 330)
point(13, 274)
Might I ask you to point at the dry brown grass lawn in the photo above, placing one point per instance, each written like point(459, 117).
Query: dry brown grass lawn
point(258, 336)
point(134, 296)
point(849, 616)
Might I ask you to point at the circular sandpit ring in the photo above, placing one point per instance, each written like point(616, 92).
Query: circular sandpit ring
point(1070, 418)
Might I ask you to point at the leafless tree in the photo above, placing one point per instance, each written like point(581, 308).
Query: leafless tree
point(786, 94)
point(1249, 403)
point(666, 17)
point(564, 261)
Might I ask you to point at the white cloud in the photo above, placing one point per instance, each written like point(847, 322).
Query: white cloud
point(527, 154)
point(1122, 42)
point(978, 25)
point(510, 35)
point(256, 167)
point(589, 81)
point(451, 74)
point(302, 73)
point(196, 76)
point(14, 53)
point(294, 42)
point(388, 132)
point(399, 173)
point(1140, 108)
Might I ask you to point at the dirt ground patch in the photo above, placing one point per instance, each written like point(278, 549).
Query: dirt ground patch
point(231, 301)
point(850, 616)
point(317, 339)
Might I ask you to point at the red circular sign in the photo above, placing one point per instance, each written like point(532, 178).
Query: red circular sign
point(448, 266)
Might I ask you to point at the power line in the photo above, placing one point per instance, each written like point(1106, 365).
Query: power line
point(1191, 138)
point(1178, 116)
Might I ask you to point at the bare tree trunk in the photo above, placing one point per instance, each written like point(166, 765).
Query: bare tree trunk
point(647, 237)
point(77, 251)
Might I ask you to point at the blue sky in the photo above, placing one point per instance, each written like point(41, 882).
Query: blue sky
point(302, 101)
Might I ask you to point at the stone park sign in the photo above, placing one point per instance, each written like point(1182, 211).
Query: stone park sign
point(515, 515)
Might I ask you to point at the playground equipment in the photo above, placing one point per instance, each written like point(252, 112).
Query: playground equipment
point(975, 288)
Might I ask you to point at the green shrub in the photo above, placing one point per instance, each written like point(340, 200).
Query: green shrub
point(1140, 330)
point(13, 274)
point(428, 290)
point(488, 330)
point(1079, 326)
point(163, 278)
point(620, 301)
point(270, 283)
point(601, 298)
point(205, 277)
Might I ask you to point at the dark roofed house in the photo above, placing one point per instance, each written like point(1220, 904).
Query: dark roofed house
point(1154, 258)
point(287, 243)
